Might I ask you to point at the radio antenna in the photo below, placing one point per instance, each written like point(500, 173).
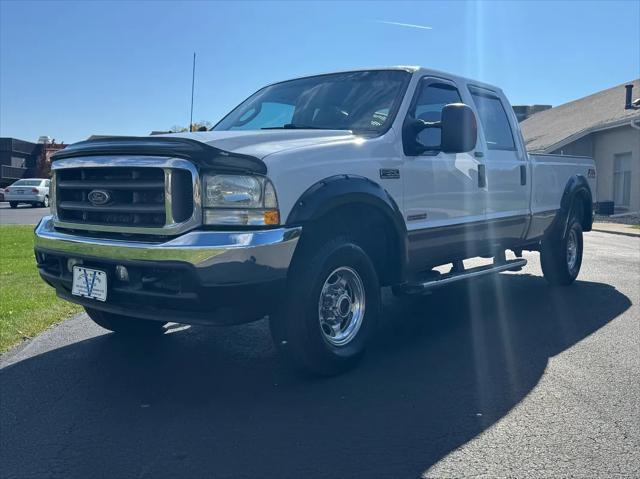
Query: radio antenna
point(193, 82)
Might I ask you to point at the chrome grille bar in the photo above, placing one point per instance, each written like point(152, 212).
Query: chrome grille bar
point(145, 195)
point(113, 185)
point(119, 208)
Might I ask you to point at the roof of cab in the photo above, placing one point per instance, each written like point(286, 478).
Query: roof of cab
point(414, 69)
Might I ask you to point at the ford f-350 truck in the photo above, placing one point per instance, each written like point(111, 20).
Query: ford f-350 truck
point(302, 203)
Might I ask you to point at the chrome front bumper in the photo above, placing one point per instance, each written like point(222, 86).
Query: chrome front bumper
point(220, 257)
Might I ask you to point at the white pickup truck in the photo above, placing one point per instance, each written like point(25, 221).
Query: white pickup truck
point(302, 203)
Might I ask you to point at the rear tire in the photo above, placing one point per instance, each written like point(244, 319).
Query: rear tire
point(331, 308)
point(13, 204)
point(126, 325)
point(561, 255)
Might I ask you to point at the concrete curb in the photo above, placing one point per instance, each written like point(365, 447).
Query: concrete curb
point(620, 232)
point(13, 351)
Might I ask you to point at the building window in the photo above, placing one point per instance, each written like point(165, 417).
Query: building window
point(18, 162)
point(622, 179)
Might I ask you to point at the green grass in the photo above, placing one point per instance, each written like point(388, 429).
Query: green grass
point(636, 227)
point(27, 305)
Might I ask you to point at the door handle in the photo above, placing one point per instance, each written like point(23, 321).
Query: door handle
point(482, 176)
point(523, 174)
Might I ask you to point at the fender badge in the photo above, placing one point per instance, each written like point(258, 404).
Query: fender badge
point(389, 173)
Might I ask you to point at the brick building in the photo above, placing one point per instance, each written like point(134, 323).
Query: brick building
point(23, 159)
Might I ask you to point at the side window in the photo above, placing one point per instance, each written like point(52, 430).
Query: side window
point(495, 122)
point(47, 183)
point(432, 98)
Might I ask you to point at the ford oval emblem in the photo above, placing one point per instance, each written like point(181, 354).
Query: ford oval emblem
point(99, 197)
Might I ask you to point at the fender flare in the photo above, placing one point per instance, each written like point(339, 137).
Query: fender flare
point(576, 185)
point(340, 190)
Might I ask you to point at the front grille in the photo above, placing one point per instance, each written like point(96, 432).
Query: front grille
point(123, 196)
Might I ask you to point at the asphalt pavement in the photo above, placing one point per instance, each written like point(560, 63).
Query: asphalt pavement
point(500, 377)
point(22, 215)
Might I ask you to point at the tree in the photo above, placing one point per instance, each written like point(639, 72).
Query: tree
point(202, 125)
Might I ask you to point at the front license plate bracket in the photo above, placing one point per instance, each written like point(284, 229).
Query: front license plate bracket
point(89, 283)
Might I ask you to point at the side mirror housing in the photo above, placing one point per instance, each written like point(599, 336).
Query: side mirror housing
point(410, 131)
point(459, 128)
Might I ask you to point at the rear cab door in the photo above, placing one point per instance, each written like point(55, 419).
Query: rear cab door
point(504, 169)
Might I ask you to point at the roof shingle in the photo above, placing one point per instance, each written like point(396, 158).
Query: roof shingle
point(546, 129)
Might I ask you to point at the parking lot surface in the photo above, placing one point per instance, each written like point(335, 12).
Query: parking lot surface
point(22, 215)
point(499, 377)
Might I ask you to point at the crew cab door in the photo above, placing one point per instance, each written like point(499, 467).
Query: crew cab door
point(443, 202)
point(504, 170)
point(440, 189)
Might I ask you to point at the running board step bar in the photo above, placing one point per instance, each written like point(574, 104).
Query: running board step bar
point(437, 279)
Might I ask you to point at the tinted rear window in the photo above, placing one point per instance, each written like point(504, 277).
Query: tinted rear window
point(495, 123)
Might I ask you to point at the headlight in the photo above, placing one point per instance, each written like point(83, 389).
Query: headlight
point(239, 200)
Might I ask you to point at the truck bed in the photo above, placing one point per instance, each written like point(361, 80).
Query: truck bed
point(549, 174)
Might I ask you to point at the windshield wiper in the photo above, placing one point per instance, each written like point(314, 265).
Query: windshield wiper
point(293, 126)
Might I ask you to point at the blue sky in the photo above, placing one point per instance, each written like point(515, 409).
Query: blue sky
point(72, 69)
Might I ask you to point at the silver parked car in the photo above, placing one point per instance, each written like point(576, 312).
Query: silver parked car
point(33, 191)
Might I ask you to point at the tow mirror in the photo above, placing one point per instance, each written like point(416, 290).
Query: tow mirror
point(459, 128)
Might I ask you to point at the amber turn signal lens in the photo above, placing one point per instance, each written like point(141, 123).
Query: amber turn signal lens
point(271, 217)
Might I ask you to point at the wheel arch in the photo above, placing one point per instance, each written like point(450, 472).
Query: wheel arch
point(355, 198)
point(577, 192)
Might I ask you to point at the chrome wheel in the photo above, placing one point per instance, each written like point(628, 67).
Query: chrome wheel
point(46, 202)
point(341, 306)
point(572, 249)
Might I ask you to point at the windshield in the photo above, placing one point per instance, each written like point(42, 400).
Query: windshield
point(364, 101)
point(27, 183)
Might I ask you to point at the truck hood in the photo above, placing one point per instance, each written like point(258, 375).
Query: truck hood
point(237, 151)
point(262, 143)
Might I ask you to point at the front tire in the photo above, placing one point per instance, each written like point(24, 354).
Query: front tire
point(331, 308)
point(561, 255)
point(126, 325)
point(13, 204)
point(45, 203)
